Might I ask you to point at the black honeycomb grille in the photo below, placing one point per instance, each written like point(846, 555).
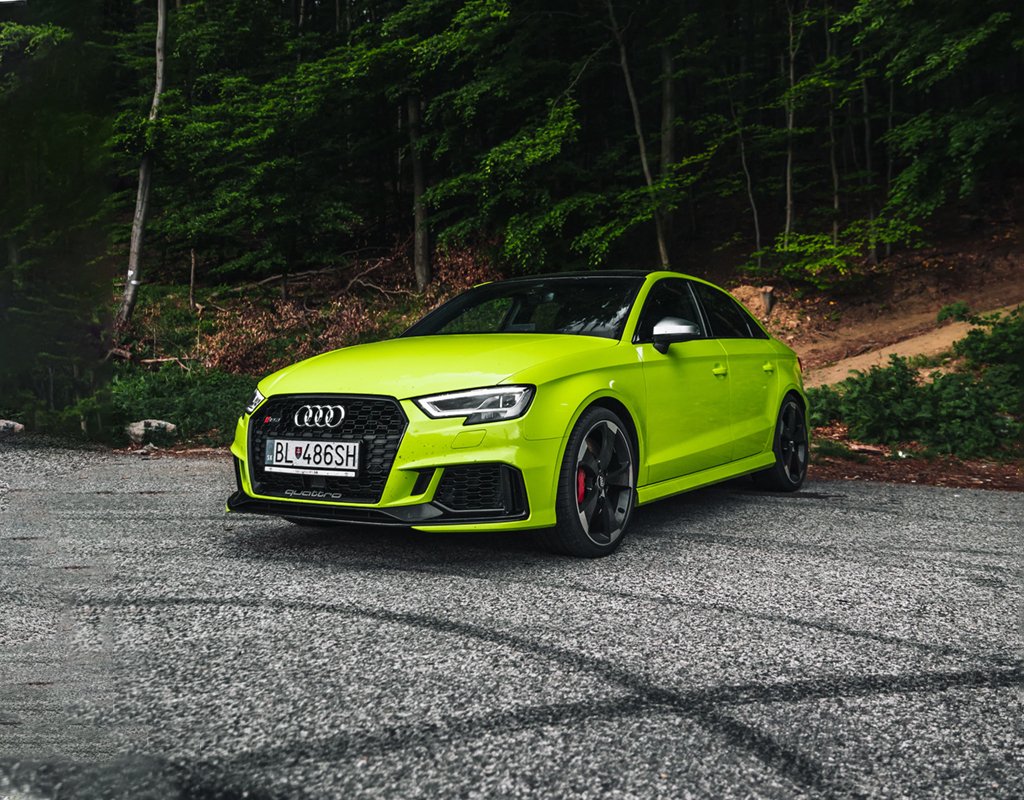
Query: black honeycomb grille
point(378, 423)
point(480, 488)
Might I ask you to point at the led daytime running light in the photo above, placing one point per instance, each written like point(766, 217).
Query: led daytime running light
point(479, 405)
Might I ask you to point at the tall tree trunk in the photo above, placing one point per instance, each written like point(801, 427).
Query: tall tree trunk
point(888, 154)
point(638, 126)
point(792, 49)
point(749, 179)
point(131, 284)
point(832, 135)
point(869, 169)
point(421, 236)
point(668, 130)
point(192, 281)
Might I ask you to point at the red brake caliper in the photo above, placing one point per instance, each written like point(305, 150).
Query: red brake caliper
point(581, 485)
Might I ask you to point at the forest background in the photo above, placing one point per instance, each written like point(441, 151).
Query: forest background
point(328, 169)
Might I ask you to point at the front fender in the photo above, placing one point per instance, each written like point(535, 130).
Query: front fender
point(560, 403)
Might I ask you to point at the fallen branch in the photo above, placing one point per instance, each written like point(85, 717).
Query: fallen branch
point(119, 352)
point(167, 359)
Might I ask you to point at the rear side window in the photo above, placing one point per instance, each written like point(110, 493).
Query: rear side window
point(727, 318)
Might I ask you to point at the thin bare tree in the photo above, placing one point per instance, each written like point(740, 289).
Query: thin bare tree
point(869, 178)
point(747, 176)
point(796, 33)
point(668, 127)
point(421, 234)
point(638, 126)
point(829, 53)
point(131, 284)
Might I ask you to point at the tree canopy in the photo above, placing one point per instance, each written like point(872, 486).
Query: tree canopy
point(806, 137)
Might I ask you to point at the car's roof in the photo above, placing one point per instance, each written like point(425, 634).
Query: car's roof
point(595, 274)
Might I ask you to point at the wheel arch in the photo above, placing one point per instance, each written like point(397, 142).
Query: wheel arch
point(801, 399)
point(617, 407)
point(623, 413)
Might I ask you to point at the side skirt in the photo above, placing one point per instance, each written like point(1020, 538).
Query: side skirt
point(656, 491)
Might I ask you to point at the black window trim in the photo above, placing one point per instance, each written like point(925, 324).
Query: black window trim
point(705, 328)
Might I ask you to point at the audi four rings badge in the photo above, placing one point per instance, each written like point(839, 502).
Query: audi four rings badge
point(319, 416)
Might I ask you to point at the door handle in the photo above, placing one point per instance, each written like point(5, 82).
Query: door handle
point(768, 366)
point(718, 369)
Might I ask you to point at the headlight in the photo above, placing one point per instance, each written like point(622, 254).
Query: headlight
point(257, 398)
point(479, 405)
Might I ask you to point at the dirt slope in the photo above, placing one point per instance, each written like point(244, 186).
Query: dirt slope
point(931, 343)
point(895, 310)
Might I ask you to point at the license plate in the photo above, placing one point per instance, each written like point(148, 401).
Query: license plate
point(339, 459)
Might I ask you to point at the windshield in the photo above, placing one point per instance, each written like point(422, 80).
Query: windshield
point(582, 306)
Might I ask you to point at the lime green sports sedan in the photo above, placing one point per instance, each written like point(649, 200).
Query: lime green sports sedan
point(556, 404)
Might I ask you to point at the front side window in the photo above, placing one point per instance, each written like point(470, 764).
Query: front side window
point(588, 306)
point(727, 319)
point(669, 297)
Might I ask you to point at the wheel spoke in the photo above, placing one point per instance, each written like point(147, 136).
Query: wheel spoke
point(588, 462)
point(587, 510)
point(619, 499)
point(604, 456)
point(602, 522)
point(620, 476)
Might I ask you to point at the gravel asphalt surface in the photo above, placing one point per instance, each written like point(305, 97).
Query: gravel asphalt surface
point(849, 640)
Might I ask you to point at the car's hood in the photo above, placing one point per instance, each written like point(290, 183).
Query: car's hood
point(419, 365)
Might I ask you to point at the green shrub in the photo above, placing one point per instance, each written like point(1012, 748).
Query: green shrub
point(884, 404)
point(203, 403)
point(825, 403)
point(964, 417)
point(973, 412)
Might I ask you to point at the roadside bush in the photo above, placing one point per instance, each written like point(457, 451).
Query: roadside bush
point(995, 351)
point(203, 403)
point(972, 412)
point(884, 405)
point(826, 405)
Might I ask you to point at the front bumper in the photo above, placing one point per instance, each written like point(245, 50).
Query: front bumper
point(445, 475)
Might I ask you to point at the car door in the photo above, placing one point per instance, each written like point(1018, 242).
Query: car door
point(753, 372)
point(687, 426)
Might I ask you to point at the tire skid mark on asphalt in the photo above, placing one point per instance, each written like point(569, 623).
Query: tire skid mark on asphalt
point(702, 705)
point(825, 627)
point(849, 552)
point(882, 507)
point(362, 567)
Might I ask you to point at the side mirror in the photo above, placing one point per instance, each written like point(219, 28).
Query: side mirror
point(670, 330)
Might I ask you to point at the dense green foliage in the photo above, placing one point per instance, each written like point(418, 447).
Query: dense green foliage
point(203, 403)
point(808, 139)
point(975, 410)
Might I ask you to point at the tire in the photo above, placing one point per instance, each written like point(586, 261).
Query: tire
point(596, 487)
point(791, 450)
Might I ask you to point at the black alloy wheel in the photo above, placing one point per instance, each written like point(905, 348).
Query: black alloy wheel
point(791, 450)
point(597, 487)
